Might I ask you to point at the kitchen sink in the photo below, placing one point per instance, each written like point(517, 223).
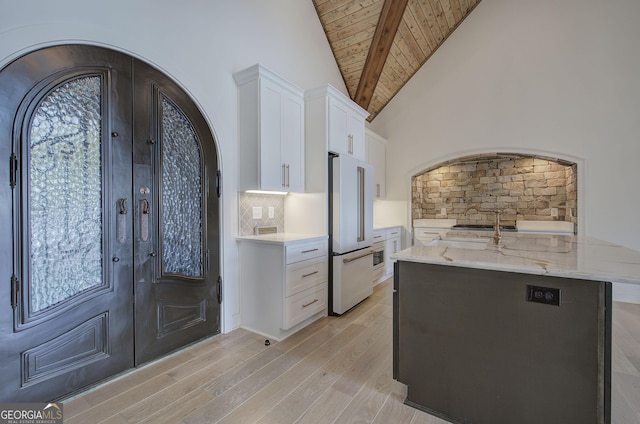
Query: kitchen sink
point(474, 244)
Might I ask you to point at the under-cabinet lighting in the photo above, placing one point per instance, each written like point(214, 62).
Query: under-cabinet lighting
point(282, 193)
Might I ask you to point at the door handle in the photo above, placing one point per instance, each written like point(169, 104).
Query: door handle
point(121, 221)
point(145, 211)
point(347, 260)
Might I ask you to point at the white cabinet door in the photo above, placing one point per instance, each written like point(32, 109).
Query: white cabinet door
point(346, 129)
point(355, 135)
point(292, 142)
point(271, 170)
point(376, 155)
point(271, 131)
point(338, 121)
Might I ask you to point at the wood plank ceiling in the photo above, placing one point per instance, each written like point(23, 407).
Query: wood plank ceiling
point(380, 44)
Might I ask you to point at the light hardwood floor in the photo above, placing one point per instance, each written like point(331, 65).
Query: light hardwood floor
point(338, 370)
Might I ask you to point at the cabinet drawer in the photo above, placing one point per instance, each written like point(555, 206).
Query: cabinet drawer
point(393, 232)
point(379, 235)
point(303, 305)
point(305, 274)
point(300, 252)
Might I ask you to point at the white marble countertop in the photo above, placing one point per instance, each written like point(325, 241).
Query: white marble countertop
point(543, 254)
point(283, 238)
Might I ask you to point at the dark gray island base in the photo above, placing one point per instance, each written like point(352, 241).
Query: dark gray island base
point(478, 346)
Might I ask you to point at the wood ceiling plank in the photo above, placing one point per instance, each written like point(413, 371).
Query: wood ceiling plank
point(398, 67)
point(353, 66)
point(431, 21)
point(386, 29)
point(345, 20)
point(448, 13)
point(423, 24)
point(354, 59)
point(355, 10)
point(362, 36)
point(464, 6)
point(407, 38)
point(414, 26)
point(353, 51)
point(323, 7)
point(441, 20)
point(456, 8)
point(354, 33)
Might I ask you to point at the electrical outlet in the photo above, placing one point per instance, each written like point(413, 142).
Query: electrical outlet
point(545, 295)
point(257, 212)
point(554, 212)
point(443, 211)
point(271, 212)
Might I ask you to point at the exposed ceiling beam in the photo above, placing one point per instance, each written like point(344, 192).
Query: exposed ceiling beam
point(390, 17)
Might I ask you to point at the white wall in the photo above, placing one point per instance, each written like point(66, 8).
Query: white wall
point(200, 43)
point(549, 76)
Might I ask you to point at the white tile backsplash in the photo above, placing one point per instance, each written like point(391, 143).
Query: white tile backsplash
point(247, 201)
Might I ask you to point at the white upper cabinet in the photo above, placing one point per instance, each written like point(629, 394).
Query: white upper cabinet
point(270, 131)
point(338, 120)
point(376, 154)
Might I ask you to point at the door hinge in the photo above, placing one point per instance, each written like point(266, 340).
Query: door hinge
point(13, 170)
point(219, 290)
point(218, 183)
point(15, 288)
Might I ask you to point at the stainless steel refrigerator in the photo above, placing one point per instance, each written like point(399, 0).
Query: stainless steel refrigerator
point(350, 232)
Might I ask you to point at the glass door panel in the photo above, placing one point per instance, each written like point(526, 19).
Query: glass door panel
point(181, 197)
point(65, 193)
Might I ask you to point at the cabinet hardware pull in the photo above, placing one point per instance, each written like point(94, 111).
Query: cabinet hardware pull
point(350, 143)
point(288, 177)
point(346, 261)
point(311, 273)
point(310, 250)
point(284, 178)
point(310, 303)
point(378, 190)
point(377, 236)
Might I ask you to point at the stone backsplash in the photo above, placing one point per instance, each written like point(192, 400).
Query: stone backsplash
point(522, 187)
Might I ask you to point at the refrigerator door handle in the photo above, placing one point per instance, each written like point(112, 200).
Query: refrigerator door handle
point(361, 205)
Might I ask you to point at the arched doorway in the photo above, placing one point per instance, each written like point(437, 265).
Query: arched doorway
point(523, 186)
point(110, 235)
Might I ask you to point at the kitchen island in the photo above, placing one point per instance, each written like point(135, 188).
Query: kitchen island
point(518, 332)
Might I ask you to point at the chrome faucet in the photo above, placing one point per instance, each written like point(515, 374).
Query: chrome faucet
point(496, 226)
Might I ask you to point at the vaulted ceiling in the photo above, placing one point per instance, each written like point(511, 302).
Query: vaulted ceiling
point(380, 44)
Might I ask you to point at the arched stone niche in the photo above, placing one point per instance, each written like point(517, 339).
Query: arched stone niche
point(523, 187)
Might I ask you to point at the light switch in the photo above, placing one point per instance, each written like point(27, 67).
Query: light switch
point(257, 212)
point(554, 212)
point(271, 212)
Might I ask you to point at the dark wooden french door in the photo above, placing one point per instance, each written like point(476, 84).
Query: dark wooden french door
point(109, 238)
